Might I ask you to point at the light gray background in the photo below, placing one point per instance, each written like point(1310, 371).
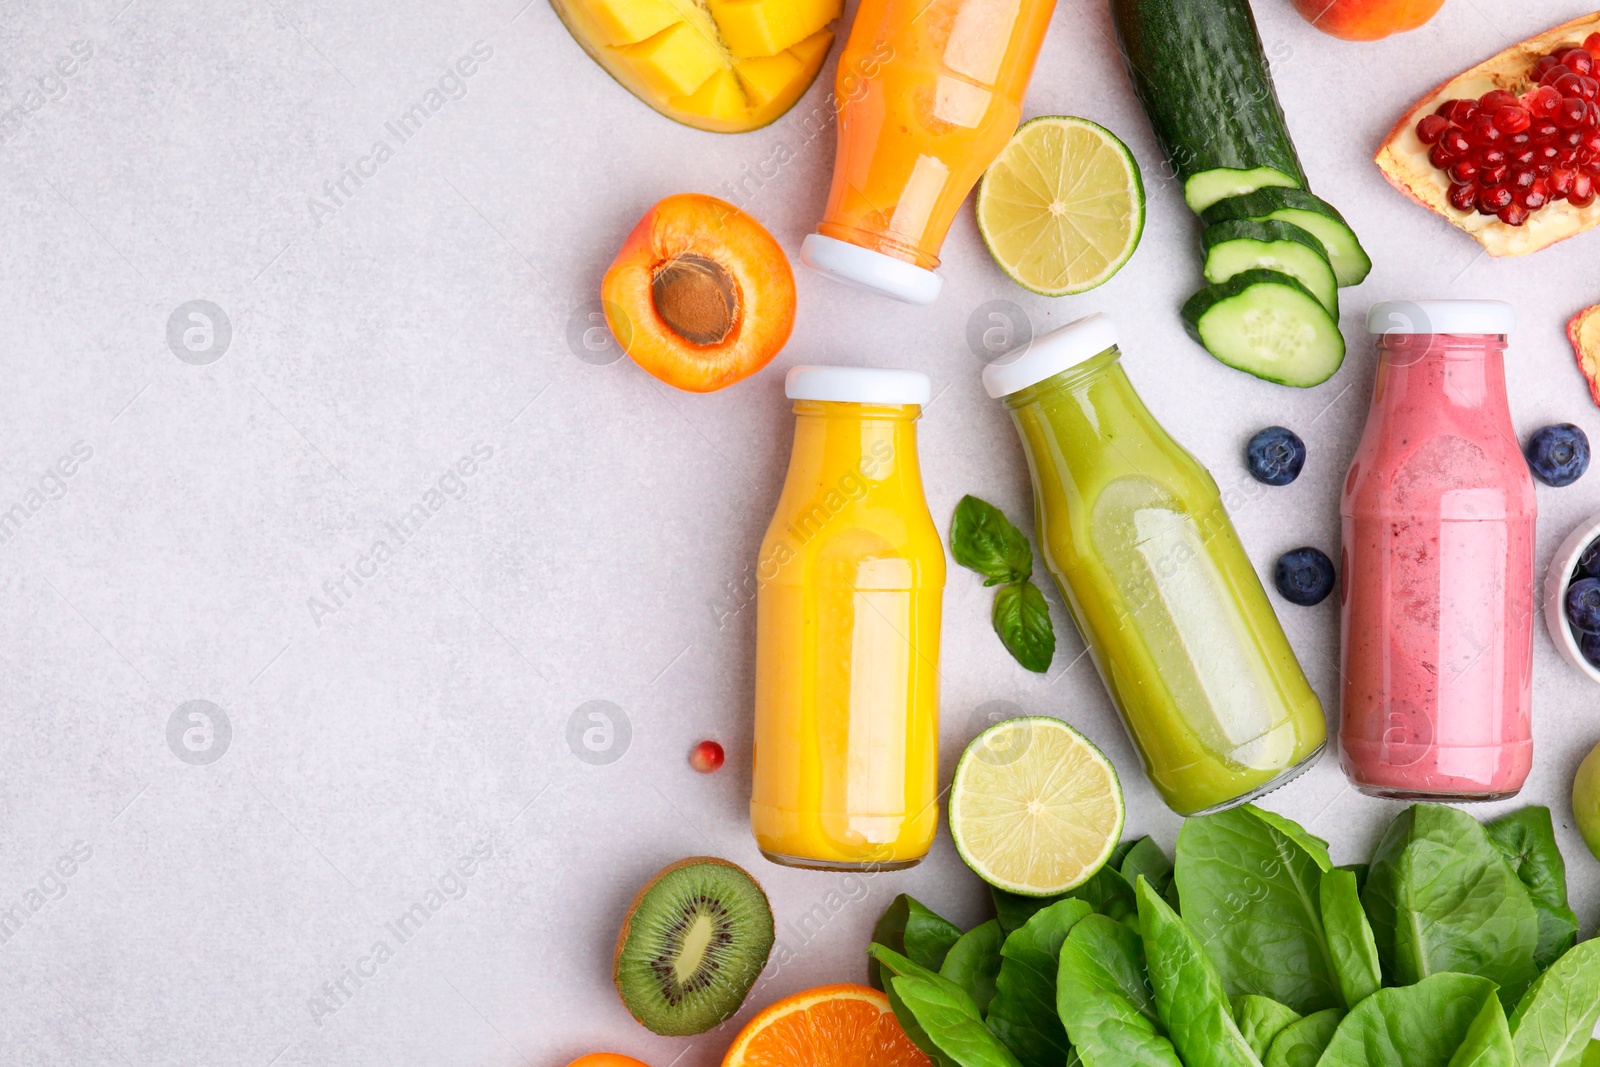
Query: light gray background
point(601, 553)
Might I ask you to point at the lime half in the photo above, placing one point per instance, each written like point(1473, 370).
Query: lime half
point(1063, 207)
point(1035, 807)
point(1586, 801)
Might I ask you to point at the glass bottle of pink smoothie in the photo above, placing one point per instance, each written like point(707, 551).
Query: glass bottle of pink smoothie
point(1438, 601)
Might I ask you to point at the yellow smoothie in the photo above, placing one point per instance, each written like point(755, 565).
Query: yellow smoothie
point(850, 583)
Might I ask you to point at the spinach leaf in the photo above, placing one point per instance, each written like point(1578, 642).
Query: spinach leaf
point(982, 539)
point(1146, 858)
point(1120, 853)
point(1022, 619)
point(1441, 897)
point(1350, 940)
point(1012, 910)
point(1360, 870)
point(1250, 891)
point(1023, 1012)
point(1104, 998)
point(894, 965)
point(914, 931)
point(1420, 1025)
point(1553, 1024)
point(1261, 1020)
point(973, 962)
point(1314, 846)
point(1592, 1057)
point(1488, 1042)
point(951, 1021)
point(1188, 991)
point(1301, 1044)
point(1528, 840)
point(1109, 894)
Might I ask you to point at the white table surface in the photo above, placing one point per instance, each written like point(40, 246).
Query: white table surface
point(598, 554)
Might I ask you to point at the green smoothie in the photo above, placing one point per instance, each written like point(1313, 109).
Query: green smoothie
point(1175, 618)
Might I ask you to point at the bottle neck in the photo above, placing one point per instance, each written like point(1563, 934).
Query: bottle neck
point(1455, 370)
point(848, 448)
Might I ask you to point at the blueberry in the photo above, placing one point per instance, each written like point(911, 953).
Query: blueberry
point(1304, 576)
point(1583, 605)
point(1589, 562)
point(1275, 456)
point(1589, 645)
point(1558, 454)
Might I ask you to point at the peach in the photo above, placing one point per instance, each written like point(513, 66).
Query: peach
point(700, 295)
point(1366, 20)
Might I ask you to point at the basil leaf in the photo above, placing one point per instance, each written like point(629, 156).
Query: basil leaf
point(1023, 1012)
point(1488, 1043)
point(894, 965)
point(1419, 1025)
point(912, 930)
point(1013, 910)
point(951, 1021)
point(1350, 940)
point(1261, 1020)
point(1528, 840)
point(1441, 897)
point(1146, 858)
point(1552, 1025)
point(1301, 1044)
point(1022, 619)
point(982, 539)
point(1250, 890)
point(1188, 990)
point(973, 962)
point(1104, 998)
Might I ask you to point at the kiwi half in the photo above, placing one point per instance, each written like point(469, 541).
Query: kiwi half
point(694, 940)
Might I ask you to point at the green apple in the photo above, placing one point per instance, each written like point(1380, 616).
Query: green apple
point(1586, 800)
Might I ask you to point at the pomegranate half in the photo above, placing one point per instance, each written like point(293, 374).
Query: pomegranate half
point(1469, 179)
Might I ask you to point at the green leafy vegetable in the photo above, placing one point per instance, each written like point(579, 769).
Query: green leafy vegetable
point(1261, 1020)
point(1420, 1025)
point(1108, 893)
point(1023, 1012)
point(1552, 1025)
point(1104, 998)
point(973, 962)
point(1012, 910)
point(1314, 846)
point(1528, 840)
point(1350, 940)
point(1022, 619)
point(1488, 1042)
point(912, 930)
point(982, 539)
point(1441, 897)
point(1592, 1057)
point(1188, 991)
point(1301, 1044)
point(1249, 886)
point(951, 1021)
point(893, 964)
point(1145, 858)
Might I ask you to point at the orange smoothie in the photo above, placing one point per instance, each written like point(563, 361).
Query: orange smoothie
point(850, 585)
point(930, 93)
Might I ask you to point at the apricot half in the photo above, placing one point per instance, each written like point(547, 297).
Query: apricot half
point(1366, 20)
point(699, 294)
point(726, 66)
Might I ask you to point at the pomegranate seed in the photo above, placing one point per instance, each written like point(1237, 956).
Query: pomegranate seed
point(706, 757)
point(1463, 197)
point(1492, 176)
point(1544, 129)
point(1555, 73)
point(1546, 153)
point(1591, 167)
point(1518, 139)
point(1481, 128)
point(1491, 201)
point(1533, 201)
point(1513, 214)
point(1591, 44)
point(1490, 157)
point(1455, 141)
point(1544, 102)
point(1494, 100)
point(1569, 85)
point(1561, 181)
point(1511, 118)
point(1571, 141)
point(1582, 191)
point(1542, 67)
point(1577, 59)
point(1522, 180)
point(1570, 117)
point(1591, 120)
point(1523, 158)
point(1440, 158)
point(1591, 87)
point(1459, 112)
point(1585, 201)
point(1431, 128)
point(1463, 171)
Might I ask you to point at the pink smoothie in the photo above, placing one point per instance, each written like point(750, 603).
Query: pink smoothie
point(1438, 591)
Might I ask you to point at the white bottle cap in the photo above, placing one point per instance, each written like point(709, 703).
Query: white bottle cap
point(1440, 316)
point(1049, 355)
point(858, 385)
point(873, 271)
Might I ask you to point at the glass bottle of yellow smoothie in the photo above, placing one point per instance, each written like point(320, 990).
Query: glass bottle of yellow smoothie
point(849, 588)
point(1135, 533)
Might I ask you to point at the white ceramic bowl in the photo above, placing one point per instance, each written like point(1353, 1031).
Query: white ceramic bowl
point(1555, 595)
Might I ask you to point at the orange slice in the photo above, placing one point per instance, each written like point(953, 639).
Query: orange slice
point(829, 1026)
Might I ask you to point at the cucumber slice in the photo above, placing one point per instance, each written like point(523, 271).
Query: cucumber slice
point(1202, 190)
point(1232, 247)
point(1311, 213)
point(1266, 323)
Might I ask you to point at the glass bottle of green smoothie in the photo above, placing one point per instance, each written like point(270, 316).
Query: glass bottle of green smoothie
point(1175, 618)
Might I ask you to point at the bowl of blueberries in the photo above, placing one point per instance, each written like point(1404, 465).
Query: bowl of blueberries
point(1572, 598)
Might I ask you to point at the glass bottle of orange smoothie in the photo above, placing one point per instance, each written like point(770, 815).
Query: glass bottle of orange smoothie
point(849, 590)
point(930, 91)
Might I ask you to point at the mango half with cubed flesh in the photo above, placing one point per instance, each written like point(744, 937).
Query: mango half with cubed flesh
point(721, 65)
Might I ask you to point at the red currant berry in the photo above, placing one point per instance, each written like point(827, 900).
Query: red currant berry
point(706, 757)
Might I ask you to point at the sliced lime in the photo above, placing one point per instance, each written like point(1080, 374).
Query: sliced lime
point(1035, 807)
point(1062, 209)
